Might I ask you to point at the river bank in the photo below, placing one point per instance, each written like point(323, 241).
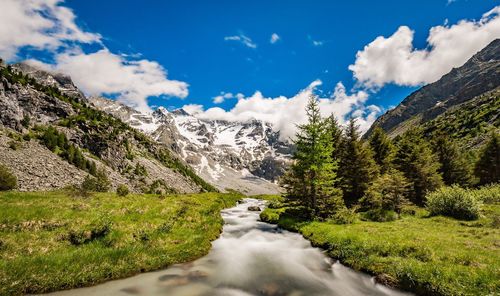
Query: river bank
point(428, 256)
point(50, 241)
point(249, 258)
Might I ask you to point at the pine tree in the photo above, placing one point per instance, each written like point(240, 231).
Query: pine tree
point(419, 164)
point(335, 131)
point(383, 149)
point(312, 176)
point(488, 166)
point(454, 168)
point(357, 169)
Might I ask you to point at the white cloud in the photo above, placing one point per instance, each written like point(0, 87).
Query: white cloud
point(245, 40)
point(394, 60)
point(224, 96)
point(41, 24)
point(274, 38)
point(46, 25)
point(103, 73)
point(284, 113)
point(317, 42)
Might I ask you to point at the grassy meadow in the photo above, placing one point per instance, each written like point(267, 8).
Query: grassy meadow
point(50, 241)
point(427, 255)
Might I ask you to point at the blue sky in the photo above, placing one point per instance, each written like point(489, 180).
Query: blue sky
point(187, 38)
point(196, 42)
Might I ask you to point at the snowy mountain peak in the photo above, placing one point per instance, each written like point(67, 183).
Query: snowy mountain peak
point(247, 156)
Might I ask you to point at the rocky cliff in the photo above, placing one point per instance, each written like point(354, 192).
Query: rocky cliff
point(33, 102)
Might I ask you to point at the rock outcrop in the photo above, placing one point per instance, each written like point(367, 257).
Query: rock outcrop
point(32, 100)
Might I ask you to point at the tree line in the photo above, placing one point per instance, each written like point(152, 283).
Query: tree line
point(334, 168)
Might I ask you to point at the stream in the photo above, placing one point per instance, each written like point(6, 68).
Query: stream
point(249, 258)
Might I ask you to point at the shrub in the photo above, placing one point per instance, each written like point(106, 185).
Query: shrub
point(160, 187)
point(489, 194)
point(97, 230)
point(14, 145)
point(388, 192)
point(345, 216)
point(380, 215)
point(99, 183)
point(8, 181)
point(122, 190)
point(454, 202)
point(275, 204)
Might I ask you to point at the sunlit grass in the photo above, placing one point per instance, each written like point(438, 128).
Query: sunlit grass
point(430, 256)
point(50, 241)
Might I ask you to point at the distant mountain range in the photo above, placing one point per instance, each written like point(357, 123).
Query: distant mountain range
point(246, 156)
point(175, 151)
point(464, 101)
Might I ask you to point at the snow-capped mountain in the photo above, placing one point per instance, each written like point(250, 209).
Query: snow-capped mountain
point(246, 156)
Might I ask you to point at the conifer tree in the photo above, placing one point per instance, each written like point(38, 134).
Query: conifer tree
point(488, 166)
point(383, 149)
point(312, 176)
point(357, 169)
point(335, 131)
point(419, 164)
point(454, 168)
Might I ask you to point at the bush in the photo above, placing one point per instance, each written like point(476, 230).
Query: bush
point(14, 145)
point(380, 215)
point(454, 202)
point(122, 190)
point(97, 229)
point(488, 194)
point(8, 181)
point(345, 216)
point(160, 187)
point(99, 183)
point(388, 192)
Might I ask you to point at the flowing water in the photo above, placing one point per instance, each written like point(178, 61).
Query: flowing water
point(250, 258)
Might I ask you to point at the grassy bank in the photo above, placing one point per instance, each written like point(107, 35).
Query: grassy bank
point(429, 256)
point(49, 241)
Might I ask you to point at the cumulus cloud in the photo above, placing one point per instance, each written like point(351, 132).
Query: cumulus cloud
point(245, 40)
point(106, 73)
point(394, 60)
point(40, 24)
point(49, 26)
point(274, 38)
point(224, 96)
point(284, 113)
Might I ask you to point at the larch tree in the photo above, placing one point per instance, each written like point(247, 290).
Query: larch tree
point(312, 175)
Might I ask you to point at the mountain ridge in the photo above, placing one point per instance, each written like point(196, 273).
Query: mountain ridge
point(246, 156)
point(480, 74)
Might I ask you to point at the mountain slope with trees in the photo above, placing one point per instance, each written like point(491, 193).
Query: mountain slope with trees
point(51, 137)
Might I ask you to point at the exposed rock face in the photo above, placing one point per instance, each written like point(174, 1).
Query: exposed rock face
point(477, 76)
point(111, 144)
point(246, 156)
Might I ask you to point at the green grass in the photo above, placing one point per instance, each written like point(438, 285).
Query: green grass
point(429, 256)
point(49, 241)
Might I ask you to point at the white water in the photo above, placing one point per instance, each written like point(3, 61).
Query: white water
point(250, 258)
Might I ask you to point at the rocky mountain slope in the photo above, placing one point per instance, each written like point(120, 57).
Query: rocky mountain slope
point(466, 84)
point(51, 136)
point(246, 156)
